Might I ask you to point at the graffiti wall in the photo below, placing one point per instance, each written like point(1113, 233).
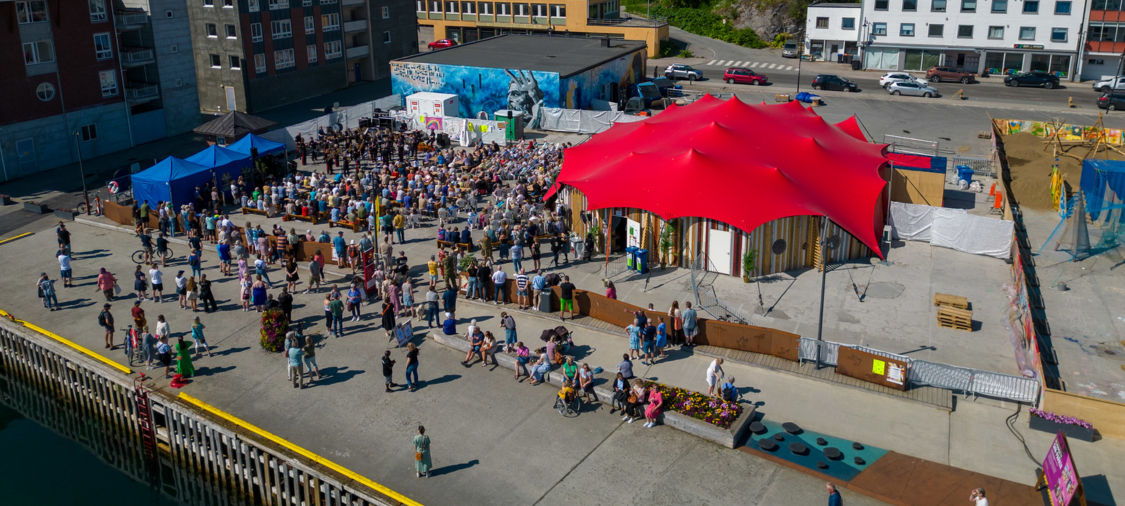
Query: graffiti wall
point(481, 89)
point(1069, 133)
point(595, 84)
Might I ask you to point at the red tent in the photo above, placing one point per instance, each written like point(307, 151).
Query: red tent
point(744, 165)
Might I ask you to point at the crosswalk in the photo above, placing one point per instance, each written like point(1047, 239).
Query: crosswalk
point(750, 65)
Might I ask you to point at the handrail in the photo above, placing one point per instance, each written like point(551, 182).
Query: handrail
point(81, 349)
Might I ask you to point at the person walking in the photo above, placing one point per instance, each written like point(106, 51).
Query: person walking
point(411, 366)
point(65, 272)
point(388, 370)
point(262, 270)
point(296, 367)
point(509, 325)
point(105, 320)
point(106, 284)
point(431, 306)
point(355, 301)
point(422, 460)
point(310, 359)
point(192, 294)
point(314, 275)
point(834, 498)
point(206, 295)
point(197, 336)
point(714, 375)
point(336, 307)
point(195, 261)
point(46, 288)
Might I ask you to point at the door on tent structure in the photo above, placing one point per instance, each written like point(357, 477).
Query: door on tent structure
point(231, 103)
point(25, 153)
point(718, 251)
point(618, 234)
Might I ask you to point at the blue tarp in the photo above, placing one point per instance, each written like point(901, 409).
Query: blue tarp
point(1103, 182)
point(172, 180)
point(264, 146)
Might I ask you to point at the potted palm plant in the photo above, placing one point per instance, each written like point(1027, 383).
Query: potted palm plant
point(749, 263)
point(665, 244)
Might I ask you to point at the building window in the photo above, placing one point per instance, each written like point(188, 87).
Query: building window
point(329, 22)
point(999, 5)
point(996, 32)
point(179, 83)
point(1031, 7)
point(1062, 8)
point(909, 5)
point(881, 5)
point(1028, 33)
point(332, 50)
point(420, 5)
point(327, 2)
point(174, 48)
point(822, 22)
point(558, 11)
point(937, 30)
point(965, 32)
point(281, 29)
point(520, 9)
point(279, 4)
point(45, 91)
point(310, 25)
point(306, 3)
point(485, 8)
point(38, 52)
point(228, 4)
point(255, 32)
point(968, 5)
point(102, 48)
point(90, 132)
point(108, 79)
point(937, 6)
point(386, 37)
point(212, 30)
point(906, 29)
point(232, 32)
point(216, 62)
point(466, 8)
point(283, 59)
point(847, 23)
point(1058, 35)
point(1088, 62)
point(208, 3)
point(169, 14)
point(260, 63)
point(878, 29)
point(386, 12)
point(539, 10)
point(452, 7)
point(97, 11)
point(34, 11)
point(503, 9)
point(235, 62)
point(252, 5)
point(310, 51)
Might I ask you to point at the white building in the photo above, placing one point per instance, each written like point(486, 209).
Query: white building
point(832, 29)
point(993, 36)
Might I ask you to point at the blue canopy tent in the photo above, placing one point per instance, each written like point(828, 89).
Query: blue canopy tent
point(265, 147)
point(1103, 182)
point(172, 180)
point(221, 159)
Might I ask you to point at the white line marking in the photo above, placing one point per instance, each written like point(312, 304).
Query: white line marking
point(789, 67)
point(755, 64)
point(772, 65)
point(712, 62)
point(739, 64)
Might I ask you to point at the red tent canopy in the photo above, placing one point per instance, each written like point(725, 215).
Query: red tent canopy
point(744, 165)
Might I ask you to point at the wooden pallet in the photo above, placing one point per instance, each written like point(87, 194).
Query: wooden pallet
point(953, 318)
point(955, 301)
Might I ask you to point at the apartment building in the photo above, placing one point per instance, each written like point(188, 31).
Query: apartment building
point(832, 29)
point(1105, 39)
point(254, 55)
point(983, 36)
point(468, 21)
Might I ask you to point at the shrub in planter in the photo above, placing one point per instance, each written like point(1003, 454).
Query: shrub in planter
point(274, 328)
point(35, 207)
point(699, 406)
point(1047, 421)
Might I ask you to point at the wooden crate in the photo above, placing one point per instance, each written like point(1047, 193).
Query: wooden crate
point(781, 98)
point(955, 301)
point(953, 318)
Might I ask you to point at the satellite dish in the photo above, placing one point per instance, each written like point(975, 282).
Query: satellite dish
point(778, 247)
point(833, 242)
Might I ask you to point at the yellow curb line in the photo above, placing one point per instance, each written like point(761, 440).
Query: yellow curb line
point(25, 234)
point(80, 348)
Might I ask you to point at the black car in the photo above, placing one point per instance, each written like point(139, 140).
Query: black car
point(832, 82)
point(1032, 79)
point(1111, 101)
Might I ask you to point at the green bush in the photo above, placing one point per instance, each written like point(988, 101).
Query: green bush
point(687, 54)
point(668, 48)
point(708, 24)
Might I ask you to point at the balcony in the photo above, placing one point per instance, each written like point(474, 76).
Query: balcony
point(352, 3)
point(131, 20)
point(356, 52)
point(141, 92)
point(135, 57)
point(358, 25)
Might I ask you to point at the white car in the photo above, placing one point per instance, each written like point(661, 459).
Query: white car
point(1117, 83)
point(681, 71)
point(897, 77)
point(912, 88)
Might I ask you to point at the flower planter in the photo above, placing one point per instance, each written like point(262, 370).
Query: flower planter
point(1071, 431)
point(35, 208)
point(5, 200)
point(64, 214)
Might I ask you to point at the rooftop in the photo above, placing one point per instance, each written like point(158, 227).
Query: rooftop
point(838, 5)
point(546, 53)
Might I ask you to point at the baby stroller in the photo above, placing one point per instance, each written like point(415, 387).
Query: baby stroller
point(565, 337)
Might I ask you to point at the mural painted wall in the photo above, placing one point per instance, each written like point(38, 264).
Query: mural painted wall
point(580, 89)
point(1069, 133)
point(481, 89)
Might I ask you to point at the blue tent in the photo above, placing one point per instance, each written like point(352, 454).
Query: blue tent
point(265, 147)
point(221, 159)
point(172, 180)
point(1103, 182)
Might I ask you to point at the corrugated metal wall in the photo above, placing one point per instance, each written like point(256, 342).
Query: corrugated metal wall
point(148, 126)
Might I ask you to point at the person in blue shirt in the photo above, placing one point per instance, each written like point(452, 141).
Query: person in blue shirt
point(323, 206)
point(335, 214)
point(729, 392)
point(449, 326)
point(340, 245)
point(834, 498)
point(467, 238)
point(323, 238)
point(661, 338)
point(538, 283)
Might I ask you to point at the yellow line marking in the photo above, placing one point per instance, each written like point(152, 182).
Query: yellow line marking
point(25, 234)
point(82, 349)
point(299, 450)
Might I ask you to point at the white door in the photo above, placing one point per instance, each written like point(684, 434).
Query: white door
point(231, 104)
point(718, 251)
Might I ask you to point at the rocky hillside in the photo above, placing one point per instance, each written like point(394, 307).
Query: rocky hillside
point(768, 19)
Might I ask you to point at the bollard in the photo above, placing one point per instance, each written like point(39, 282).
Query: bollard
point(960, 95)
point(1070, 103)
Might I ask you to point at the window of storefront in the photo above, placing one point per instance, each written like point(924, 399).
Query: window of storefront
point(884, 59)
point(917, 59)
point(1003, 63)
point(1055, 64)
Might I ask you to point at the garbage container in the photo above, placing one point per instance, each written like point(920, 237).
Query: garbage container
point(642, 261)
point(630, 254)
point(965, 173)
point(857, 64)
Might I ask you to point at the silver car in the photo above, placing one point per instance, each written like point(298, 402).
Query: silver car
point(911, 88)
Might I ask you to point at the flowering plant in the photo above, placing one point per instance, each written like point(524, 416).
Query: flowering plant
point(274, 328)
point(1063, 419)
point(699, 406)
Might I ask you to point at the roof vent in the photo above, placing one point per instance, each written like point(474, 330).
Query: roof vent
point(605, 42)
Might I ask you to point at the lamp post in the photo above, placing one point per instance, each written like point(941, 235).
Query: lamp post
point(800, 58)
point(823, 282)
point(82, 170)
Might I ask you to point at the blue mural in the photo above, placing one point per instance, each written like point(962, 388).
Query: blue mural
point(581, 89)
point(481, 89)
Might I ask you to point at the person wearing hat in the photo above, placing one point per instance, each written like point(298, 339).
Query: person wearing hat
point(105, 319)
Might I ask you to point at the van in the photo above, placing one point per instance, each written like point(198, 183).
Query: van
point(789, 50)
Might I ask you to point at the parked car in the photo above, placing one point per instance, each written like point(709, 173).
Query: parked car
point(833, 82)
point(743, 76)
point(1032, 79)
point(1117, 83)
point(441, 44)
point(789, 50)
point(911, 88)
point(1111, 101)
point(896, 77)
point(681, 71)
point(939, 74)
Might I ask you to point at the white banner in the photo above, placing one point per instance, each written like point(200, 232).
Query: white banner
point(979, 235)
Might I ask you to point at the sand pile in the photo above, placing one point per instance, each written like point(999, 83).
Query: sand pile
point(1030, 168)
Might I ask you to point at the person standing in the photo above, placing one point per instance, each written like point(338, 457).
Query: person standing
point(509, 325)
point(105, 320)
point(285, 302)
point(63, 236)
point(310, 359)
point(977, 496)
point(691, 324)
point(149, 343)
point(521, 289)
point(106, 284)
point(206, 295)
point(47, 292)
point(195, 261)
point(388, 319)
point(388, 370)
point(648, 341)
point(65, 271)
point(181, 289)
point(634, 332)
point(714, 375)
point(834, 498)
point(157, 283)
point(411, 366)
point(422, 460)
point(139, 320)
point(399, 223)
point(538, 283)
point(449, 299)
point(314, 273)
point(566, 298)
point(500, 281)
point(197, 336)
point(296, 367)
point(661, 337)
point(183, 354)
point(336, 307)
point(431, 306)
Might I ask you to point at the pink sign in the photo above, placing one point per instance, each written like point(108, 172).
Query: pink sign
point(1058, 469)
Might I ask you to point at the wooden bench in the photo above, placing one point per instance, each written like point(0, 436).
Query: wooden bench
point(354, 225)
point(298, 217)
point(251, 210)
point(446, 244)
point(954, 301)
point(953, 318)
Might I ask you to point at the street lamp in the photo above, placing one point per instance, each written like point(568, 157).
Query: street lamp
point(800, 58)
point(824, 245)
point(82, 170)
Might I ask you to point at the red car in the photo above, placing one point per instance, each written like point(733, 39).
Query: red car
point(743, 76)
point(442, 44)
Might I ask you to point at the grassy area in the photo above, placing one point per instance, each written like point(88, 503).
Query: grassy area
point(699, 18)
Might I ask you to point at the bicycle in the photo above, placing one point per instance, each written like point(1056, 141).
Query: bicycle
point(97, 205)
point(139, 255)
point(571, 407)
point(132, 345)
